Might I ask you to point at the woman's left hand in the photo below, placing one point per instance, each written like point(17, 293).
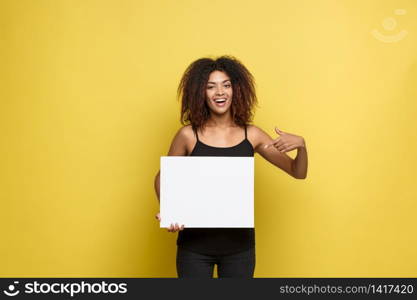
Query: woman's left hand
point(286, 141)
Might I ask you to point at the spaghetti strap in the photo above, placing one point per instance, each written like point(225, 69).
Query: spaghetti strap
point(196, 135)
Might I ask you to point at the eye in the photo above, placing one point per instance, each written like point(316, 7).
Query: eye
point(227, 85)
point(210, 87)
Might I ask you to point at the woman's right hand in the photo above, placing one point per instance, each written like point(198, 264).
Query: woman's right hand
point(172, 227)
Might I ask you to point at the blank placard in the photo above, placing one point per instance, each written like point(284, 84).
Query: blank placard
point(207, 192)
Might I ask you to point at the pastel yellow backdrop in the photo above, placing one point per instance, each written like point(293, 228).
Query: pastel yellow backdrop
point(88, 107)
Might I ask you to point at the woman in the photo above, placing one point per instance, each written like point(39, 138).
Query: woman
point(218, 97)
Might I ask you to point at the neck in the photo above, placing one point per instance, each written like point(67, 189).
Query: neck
point(223, 121)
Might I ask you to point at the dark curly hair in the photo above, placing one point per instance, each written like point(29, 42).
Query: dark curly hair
point(192, 91)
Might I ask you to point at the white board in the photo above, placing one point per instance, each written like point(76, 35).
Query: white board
point(207, 192)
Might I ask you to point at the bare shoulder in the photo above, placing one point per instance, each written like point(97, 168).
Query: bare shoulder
point(255, 132)
point(254, 129)
point(186, 133)
point(183, 141)
point(186, 130)
point(257, 136)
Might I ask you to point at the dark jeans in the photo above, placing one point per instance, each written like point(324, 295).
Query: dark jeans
point(195, 265)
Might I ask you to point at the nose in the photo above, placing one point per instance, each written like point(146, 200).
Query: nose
point(219, 91)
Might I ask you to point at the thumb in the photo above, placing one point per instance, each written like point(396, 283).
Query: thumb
point(278, 131)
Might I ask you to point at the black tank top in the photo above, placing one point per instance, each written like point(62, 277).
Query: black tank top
point(218, 241)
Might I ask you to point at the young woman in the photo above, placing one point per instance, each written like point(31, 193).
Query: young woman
point(217, 101)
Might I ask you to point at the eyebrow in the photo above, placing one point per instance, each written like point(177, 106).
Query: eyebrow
point(222, 81)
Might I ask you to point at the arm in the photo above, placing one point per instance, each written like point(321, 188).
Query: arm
point(274, 151)
point(157, 183)
point(300, 163)
point(178, 148)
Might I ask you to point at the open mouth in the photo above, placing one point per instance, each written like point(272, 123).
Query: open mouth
point(220, 102)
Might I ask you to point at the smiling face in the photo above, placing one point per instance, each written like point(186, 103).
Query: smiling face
point(219, 92)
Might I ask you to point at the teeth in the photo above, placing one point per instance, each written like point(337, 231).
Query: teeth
point(219, 100)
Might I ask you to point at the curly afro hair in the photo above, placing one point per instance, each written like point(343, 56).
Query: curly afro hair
point(192, 91)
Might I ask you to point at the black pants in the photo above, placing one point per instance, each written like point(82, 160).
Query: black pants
point(195, 265)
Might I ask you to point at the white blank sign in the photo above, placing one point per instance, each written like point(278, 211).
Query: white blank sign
point(210, 192)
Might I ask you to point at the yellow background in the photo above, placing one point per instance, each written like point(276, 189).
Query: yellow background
point(88, 106)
